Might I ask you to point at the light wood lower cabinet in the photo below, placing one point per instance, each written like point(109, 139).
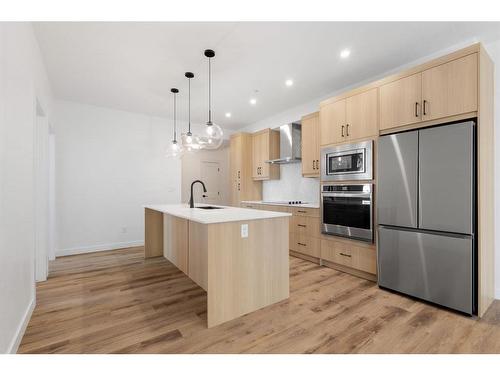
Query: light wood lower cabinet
point(306, 225)
point(306, 245)
point(305, 211)
point(349, 254)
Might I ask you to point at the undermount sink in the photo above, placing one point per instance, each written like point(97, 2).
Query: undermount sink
point(209, 207)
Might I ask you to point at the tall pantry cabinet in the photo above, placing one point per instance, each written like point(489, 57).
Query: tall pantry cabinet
point(243, 186)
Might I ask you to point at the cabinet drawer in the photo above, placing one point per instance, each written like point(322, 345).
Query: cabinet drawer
point(306, 225)
point(249, 205)
point(301, 211)
point(305, 245)
point(269, 207)
point(362, 258)
point(336, 252)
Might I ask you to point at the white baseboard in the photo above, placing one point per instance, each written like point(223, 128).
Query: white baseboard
point(95, 248)
point(16, 340)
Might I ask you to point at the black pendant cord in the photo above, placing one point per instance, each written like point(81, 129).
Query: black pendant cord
point(175, 91)
point(189, 106)
point(189, 75)
point(209, 92)
point(209, 53)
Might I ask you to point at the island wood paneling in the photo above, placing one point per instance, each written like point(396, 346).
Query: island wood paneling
point(246, 274)
point(198, 254)
point(153, 233)
point(175, 244)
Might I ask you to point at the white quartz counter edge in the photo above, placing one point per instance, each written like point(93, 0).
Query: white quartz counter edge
point(303, 205)
point(223, 215)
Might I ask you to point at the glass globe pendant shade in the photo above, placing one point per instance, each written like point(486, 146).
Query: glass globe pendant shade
point(214, 136)
point(174, 150)
point(190, 142)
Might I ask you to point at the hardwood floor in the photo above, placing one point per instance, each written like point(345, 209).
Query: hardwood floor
point(117, 302)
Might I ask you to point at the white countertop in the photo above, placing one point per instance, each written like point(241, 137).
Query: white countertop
point(222, 215)
point(304, 205)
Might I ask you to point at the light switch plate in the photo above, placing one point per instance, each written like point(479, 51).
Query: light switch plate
point(244, 230)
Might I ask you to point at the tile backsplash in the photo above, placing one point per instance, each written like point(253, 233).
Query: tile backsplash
point(291, 186)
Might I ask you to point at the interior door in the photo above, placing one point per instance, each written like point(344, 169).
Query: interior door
point(211, 176)
point(397, 179)
point(433, 267)
point(446, 178)
point(450, 89)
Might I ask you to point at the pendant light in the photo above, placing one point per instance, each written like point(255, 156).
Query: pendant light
point(190, 141)
point(175, 149)
point(213, 133)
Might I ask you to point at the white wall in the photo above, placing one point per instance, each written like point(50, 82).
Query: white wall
point(22, 80)
point(108, 164)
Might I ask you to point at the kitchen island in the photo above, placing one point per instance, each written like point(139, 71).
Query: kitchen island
point(238, 256)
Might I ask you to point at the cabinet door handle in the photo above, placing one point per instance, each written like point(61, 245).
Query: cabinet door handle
point(425, 107)
point(347, 130)
point(416, 109)
point(317, 164)
point(301, 244)
point(239, 186)
point(342, 130)
point(238, 174)
point(301, 225)
point(302, 212)
point(314, 162)
point(345, 255)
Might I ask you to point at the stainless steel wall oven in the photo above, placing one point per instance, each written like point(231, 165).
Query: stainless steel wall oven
point(347, 211)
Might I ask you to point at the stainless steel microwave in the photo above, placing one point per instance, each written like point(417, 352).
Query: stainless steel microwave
point(352, 161)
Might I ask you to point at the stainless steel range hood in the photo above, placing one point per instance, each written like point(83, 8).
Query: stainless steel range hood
point(290, 144)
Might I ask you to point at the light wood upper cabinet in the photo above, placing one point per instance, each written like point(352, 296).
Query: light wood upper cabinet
point(332, 122)
point(400, 102)
point(243, 187)
point(450, 89)
point(445, 90)
point(349, 119)
point(310, 145)
point(362, 115)
point(266, 146)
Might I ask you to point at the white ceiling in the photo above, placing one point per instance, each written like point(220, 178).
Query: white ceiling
point(132, 66)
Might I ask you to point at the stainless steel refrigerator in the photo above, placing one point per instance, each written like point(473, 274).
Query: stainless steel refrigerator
point(426, 214)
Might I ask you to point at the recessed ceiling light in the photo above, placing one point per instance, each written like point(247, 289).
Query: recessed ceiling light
point(345, 53)
point(228, 114)
point(289, 82)
point(253, 101)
